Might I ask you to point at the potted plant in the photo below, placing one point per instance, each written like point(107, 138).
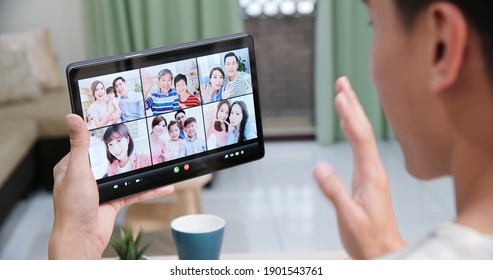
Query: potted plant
point(241, 65)
point(127, 247)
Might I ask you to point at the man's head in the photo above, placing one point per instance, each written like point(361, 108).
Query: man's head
point(119, 86)
point(429, 61)
point(165, 79)
point(180, 118)
point(477, 13)
point(231, 65)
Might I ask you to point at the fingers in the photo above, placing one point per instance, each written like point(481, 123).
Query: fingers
point(332, 186)
point(61, 166)
point(79, 140)
point(356, 125)
point(228, 91)
point(148, 195)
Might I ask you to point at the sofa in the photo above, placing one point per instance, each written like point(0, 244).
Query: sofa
point(33, 103)
point(34, 138)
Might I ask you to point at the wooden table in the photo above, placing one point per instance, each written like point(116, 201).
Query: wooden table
point(319, 255)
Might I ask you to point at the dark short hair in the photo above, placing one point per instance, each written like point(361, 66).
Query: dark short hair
point(180, 77)
point(117, 130)
point(111, 89)
point(189, 121)
point(231, 54)
point(477, 13)
point(116, 79)
point(180, 111)
point(171, 123)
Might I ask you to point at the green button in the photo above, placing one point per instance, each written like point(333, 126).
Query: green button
point(177, 169)
point(237, 153)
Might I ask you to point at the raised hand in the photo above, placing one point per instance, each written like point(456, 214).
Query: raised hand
point(209, 114)
point(228, 90)
point(146, 83)
point(206, 92)
point(366, 220)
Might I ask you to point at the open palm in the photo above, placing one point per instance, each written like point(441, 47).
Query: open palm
point(366, 220)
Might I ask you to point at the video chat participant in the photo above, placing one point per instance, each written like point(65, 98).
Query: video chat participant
point(439, 101)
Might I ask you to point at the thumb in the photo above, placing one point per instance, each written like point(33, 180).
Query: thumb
point(79, 138)
point(332, 186)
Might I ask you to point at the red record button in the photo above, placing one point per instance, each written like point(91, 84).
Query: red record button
point(186, 166)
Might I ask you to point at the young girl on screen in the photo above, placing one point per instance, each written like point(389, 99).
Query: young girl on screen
point(174, 143)
point(214, 90)
point(240, 127)
point(218, 125)
point(112, 98)
point(120, 151)
point(158, 145)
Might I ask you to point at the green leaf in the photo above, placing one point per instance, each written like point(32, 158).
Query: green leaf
point(143, 250)
point(127, 247)
point(131, 253)
point(130, 236)
point(122, 234)
point(139, 238)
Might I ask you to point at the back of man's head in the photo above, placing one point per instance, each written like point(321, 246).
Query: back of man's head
point(477, 13)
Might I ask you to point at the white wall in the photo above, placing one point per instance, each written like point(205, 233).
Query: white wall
point(64, 19)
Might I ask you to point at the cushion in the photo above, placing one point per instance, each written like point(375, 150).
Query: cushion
point(48, 112)
point(36, 46)
point(17, 82)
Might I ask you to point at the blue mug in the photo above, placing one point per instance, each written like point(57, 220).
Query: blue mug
point(198, 236)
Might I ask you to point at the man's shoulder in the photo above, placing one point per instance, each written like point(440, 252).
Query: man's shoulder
point(134, 94)
point(449, 241)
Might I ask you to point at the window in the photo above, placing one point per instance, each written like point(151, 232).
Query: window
point(277, 8)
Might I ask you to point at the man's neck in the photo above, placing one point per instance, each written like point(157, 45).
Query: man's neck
point(164, 91)
point(473, 173)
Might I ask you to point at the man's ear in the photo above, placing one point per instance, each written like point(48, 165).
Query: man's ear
point(448, 27)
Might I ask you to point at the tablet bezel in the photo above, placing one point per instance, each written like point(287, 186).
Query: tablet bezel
point(153, 176)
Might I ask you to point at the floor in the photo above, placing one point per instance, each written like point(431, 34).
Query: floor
point(272, 205)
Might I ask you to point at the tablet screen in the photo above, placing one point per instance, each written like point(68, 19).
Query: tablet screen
point(166, 115)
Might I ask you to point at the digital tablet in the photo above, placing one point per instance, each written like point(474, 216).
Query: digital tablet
point(160, 116)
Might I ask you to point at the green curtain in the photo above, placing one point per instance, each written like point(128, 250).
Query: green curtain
point(120, 26)
point(342, 47)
